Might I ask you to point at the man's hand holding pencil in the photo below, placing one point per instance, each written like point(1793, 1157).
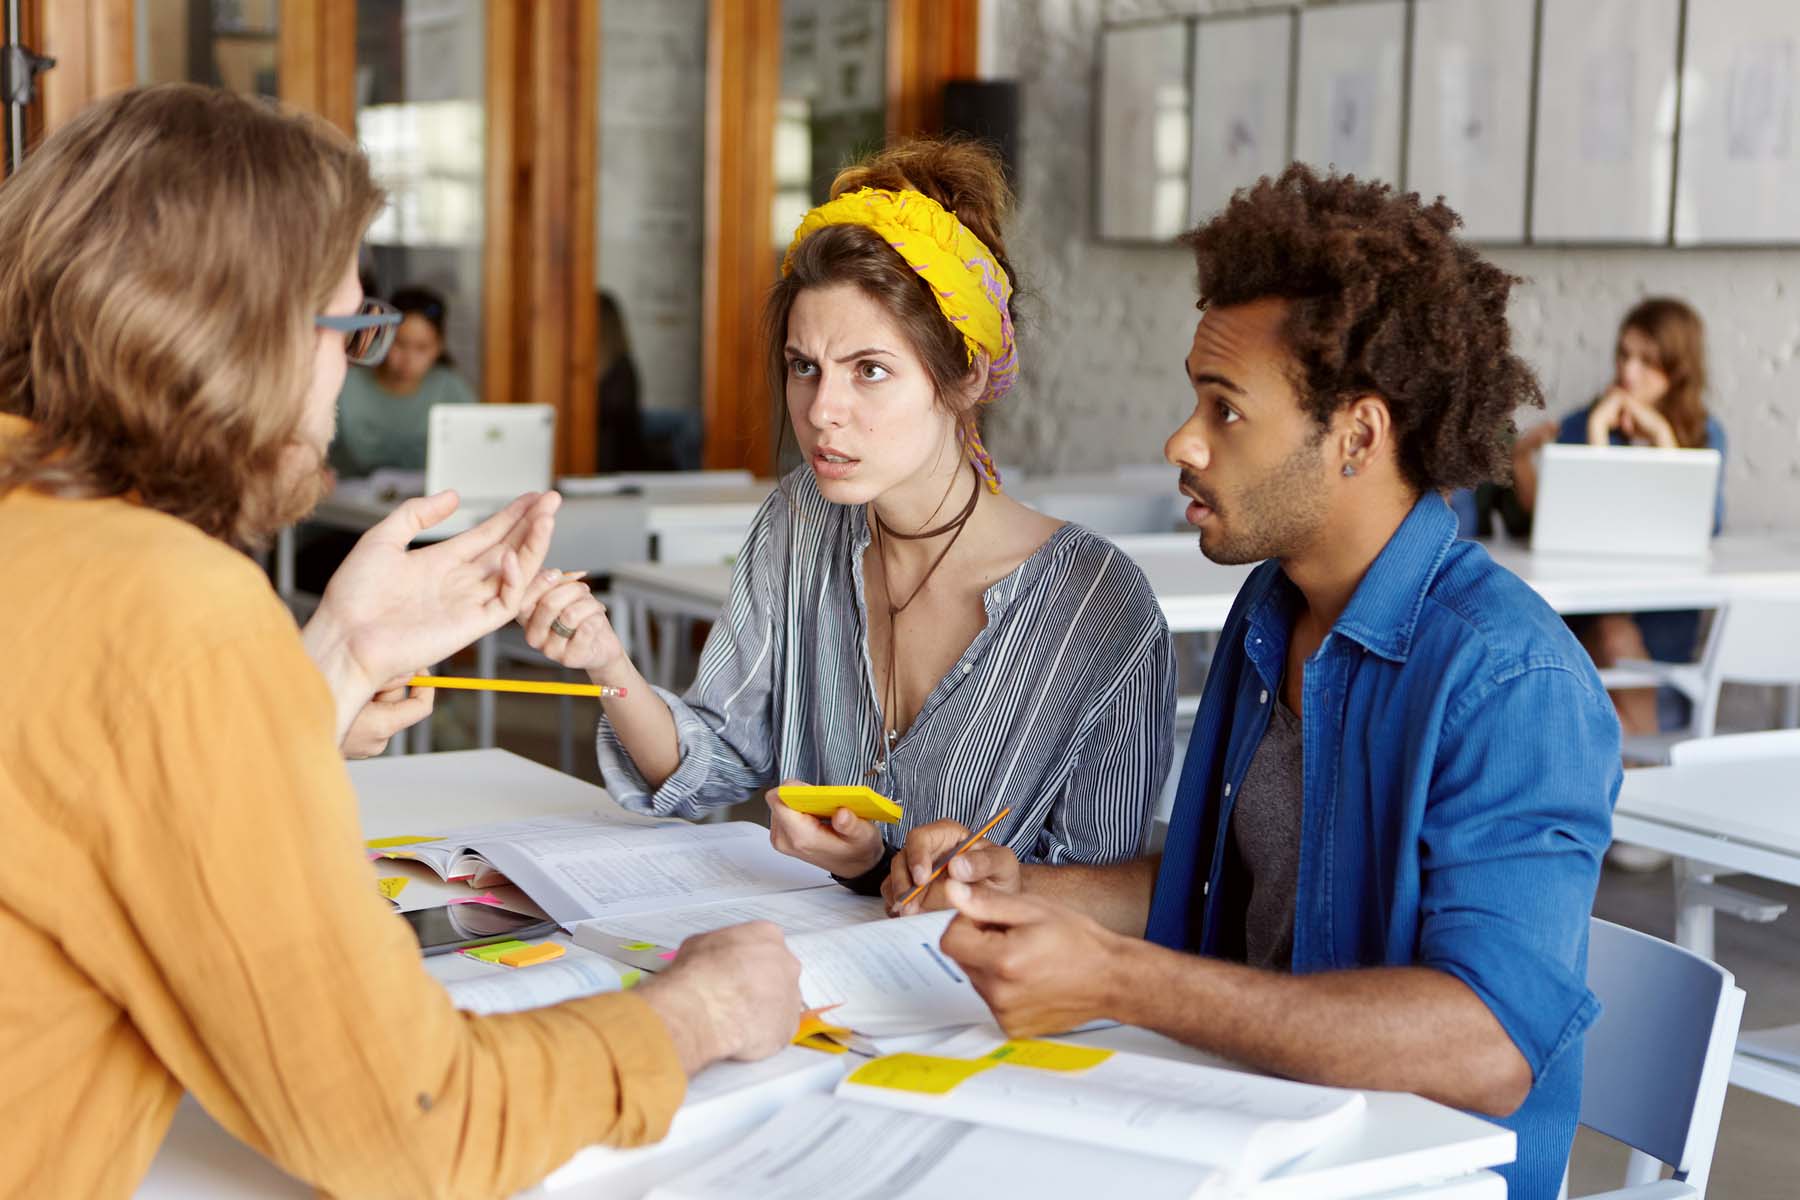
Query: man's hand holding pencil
point(924, 854)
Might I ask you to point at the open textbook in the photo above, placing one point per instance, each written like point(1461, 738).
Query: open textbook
point(1042, 1118)
point(578, 868)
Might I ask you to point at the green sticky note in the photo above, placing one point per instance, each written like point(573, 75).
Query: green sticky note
point(631, 979)
point(639, 946)
point(491, 954)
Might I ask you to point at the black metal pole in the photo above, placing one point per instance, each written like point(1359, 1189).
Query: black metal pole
point(19, 69)
point(15, 112)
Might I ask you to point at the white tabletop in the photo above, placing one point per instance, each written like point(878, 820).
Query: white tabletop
point(1196, 593)
point(406, 795)
point(1744, 815)
point(667, 511)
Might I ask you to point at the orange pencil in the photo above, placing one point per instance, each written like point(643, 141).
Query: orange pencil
point(954, 854)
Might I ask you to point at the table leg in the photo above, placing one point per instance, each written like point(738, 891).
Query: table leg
point(486, 662)
point(284, 565)
point(1693, 920)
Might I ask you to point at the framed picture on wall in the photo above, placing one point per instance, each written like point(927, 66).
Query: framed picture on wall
point(1143, 132)
point(1347, 107)
point(1739, 173)
point(1606, 105)
point(1242, 116)
point(1469, 123)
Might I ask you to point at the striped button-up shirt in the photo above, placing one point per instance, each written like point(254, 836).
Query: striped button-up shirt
point(1062, 707)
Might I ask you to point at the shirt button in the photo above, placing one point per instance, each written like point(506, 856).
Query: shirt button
point(1228, 789)
point(967, 667)
point(1264, 698)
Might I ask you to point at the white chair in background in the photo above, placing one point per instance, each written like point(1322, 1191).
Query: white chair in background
point(1753, 640)
point(1659, 1057)
point(1111, 513)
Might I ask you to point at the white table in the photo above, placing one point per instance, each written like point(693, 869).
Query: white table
point(403, 795)
point(1196, 593)
point(1741, 817)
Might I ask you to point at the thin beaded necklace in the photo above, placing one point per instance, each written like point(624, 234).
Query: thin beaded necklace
point(890, 703)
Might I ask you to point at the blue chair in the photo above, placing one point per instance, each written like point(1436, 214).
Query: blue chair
point(1659, 1058)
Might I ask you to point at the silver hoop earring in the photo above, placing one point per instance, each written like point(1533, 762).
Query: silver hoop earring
point(1349, 470)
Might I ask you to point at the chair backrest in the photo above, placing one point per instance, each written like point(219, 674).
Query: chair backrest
point(1760, 641)
point(597, 533)
point(1113, 513)
point(675, 481)
point(1755, 640)
point(1738, 747)
point(1659, 1058)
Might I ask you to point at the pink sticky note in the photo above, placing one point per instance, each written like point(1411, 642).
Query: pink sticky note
point(488, 898)
point(667, 955)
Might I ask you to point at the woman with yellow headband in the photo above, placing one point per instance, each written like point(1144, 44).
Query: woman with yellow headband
point(895, 618)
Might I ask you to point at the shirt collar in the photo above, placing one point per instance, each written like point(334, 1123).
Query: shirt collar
point(1384, 612)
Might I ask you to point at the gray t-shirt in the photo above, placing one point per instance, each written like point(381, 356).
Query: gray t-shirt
point(1265, 831)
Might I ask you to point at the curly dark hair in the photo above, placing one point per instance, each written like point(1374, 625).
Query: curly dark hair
point(1385, 300)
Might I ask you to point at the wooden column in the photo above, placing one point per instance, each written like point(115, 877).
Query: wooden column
point(91, 41)
point(743, 82)
point(929, 42)
point(539, 314)
point(316, 59)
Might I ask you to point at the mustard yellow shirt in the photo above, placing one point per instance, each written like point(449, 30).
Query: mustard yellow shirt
point(185, 903)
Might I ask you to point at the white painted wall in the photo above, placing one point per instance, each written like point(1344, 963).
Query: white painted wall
point(1106, 325)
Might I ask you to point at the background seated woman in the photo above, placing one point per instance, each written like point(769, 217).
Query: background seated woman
point(1657, 398)
point(895, 619)
point(384, 411)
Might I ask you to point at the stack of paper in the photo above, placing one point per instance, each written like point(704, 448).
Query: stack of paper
point(979, 1116)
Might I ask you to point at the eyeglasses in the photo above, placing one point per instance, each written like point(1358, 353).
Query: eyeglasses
point(368, 334)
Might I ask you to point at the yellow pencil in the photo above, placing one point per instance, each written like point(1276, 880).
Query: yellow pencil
point(530, 686)
point(957, 853)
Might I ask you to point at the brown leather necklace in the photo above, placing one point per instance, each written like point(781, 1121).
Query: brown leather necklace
point(890, 703)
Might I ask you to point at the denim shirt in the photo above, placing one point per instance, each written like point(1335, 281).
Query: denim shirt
point(1461, 762)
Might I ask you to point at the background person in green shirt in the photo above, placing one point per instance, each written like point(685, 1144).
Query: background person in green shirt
point(383, 411)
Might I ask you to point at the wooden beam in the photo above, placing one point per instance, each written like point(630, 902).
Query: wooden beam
point(316, 59)
point(743, 82)
point(929, 43)
point(92, 43)
point(539, 319)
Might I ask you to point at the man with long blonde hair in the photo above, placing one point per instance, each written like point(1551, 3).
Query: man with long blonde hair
point(186, 905)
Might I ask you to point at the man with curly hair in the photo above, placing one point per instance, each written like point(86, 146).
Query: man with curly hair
point(1399, 785)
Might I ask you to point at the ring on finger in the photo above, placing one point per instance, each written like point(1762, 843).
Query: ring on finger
point(559, 629)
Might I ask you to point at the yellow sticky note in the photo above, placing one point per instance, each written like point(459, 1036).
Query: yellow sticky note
point(491, 953)
point(631, 979)
point(1049, 1056)
point(822, 801)
point(639, 946)
point(923, 1073)
point(812, 1025)
point(392, 886)
point(531, 955)
point(406, 839)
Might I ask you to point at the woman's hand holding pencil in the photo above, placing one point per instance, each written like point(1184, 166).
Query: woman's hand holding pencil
point(931, 858)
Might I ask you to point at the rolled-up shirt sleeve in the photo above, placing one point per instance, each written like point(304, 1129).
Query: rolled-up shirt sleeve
point(725, 723)
point(1511, 846)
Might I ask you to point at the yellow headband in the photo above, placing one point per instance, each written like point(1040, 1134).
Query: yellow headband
point(971, 287)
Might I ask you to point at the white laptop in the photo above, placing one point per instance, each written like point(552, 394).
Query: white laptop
point(489, 453)
point(1625, 501)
